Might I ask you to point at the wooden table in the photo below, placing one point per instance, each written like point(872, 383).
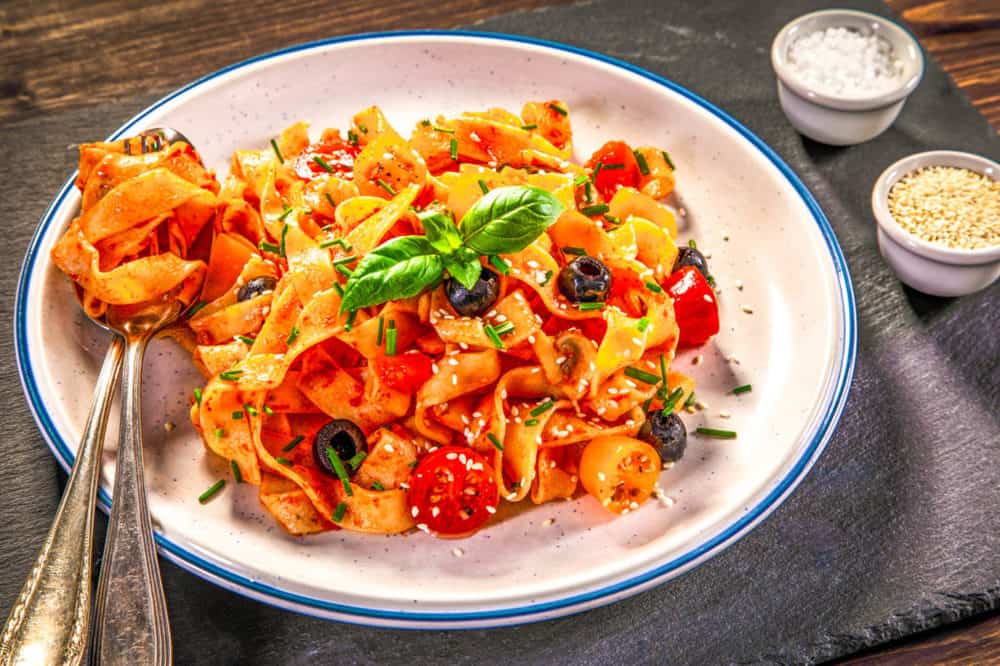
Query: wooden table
point(50, 63)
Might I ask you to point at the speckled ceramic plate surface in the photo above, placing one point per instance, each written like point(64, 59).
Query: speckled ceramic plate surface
point(788, 328)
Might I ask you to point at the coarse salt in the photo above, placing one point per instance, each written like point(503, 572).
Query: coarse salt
point(845, 62)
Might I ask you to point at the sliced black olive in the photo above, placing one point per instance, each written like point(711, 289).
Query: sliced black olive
point(256, 287)
point(689, 256)
point(342, 436)
point(585, 280)
point(475, 301)
point(667, 434)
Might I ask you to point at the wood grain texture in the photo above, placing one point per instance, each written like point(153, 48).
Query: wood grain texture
point(71, 54)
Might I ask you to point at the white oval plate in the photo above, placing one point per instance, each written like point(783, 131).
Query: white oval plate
point(797, 348)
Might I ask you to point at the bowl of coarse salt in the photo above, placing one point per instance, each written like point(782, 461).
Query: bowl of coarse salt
point(844, 75)
point(938, 217)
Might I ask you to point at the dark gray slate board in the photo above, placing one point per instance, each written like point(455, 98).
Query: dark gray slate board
point(897, 528)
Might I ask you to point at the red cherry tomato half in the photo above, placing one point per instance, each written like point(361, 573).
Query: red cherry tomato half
point(695, 306)
point(404, 372)
point(339, 156)
point(453, 491)
point(618, 168)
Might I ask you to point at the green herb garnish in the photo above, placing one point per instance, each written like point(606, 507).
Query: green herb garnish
point(351, 317)
point(320, 161)
point(292, 444)
point(643, 324)
point(357, 459)
point(291, 336)
point(642, 375)
point(671, 401)
point(381, 328)
point(338, 467)
point(237, 415)
point(230, 375)
point(542, 408)
point(666, 158)
point(352, 137)
point(505, 328)
point(285, 213)
point(746, 388)
point(531, 422)
point(585, 307)
point(284, 461)
point(376, 485)
point(655, 288)
point(641, 161)
point(245, 339)
point(591, 211)
point(499, 264)
point(529, 127)
point(281, 247)
point(329, 199)
point(264, 246)
point(237, 474)
point(268, 410)
point(212, 489)
point(390, 339)
point(575, 251)
point(195, 308)
point(492, 334)
point(558, 109)
point(336, 241)
point(220, 433)
point(197, 396)
point(494, 441)
point(548, 276)
point(338, 513)
point(615, 166)
point(444, 130)
point(715, 432)
point(483, 186)
point(453, 149)
point(250, 409)
point(277, 151)
point(386, 186)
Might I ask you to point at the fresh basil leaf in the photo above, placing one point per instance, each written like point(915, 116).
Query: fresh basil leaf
point(441, 231)
point(464, 266)
point(509, 219)
point(399, 268)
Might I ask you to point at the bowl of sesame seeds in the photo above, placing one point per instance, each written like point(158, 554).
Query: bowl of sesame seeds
point(844, 75)
point(938, 217)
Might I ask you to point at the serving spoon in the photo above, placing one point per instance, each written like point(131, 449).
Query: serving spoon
point(50, 620)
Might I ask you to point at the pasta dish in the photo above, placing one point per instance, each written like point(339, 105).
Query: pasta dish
point(402, 334)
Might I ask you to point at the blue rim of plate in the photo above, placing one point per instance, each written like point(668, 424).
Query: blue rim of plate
point(506, 616)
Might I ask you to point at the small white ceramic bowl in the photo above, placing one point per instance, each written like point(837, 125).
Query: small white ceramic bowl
point(844, 121)
point(928, 267)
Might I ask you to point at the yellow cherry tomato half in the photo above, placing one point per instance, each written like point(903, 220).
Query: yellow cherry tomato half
point(620, 472)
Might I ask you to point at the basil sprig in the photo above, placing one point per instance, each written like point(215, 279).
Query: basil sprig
point(504, 221)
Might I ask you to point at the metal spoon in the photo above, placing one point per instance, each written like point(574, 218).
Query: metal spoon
point(50, 621)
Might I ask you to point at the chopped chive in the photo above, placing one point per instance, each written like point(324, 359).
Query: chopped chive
point(558, 109)
point(338, 289)
point(338, 513)
point(425, 122)
point(351, 317)
point(237, 474)
point(292, 444)
point(386, 186)
point(345, 260)
point(641, 161)
point(483, 186)
point(494, 441)
point(377, 486)
point(492, 334)
point(352, 137)
point(715, 432)
point(264, 246)
point(197, 396)
point(591, 211)
point(333, 204)
point(277, 151)
point(655, 288)
point(746, 388)
point(195, 308)
point(642, 375)
point(689, 401)
point(580, 180)
point(576, 251)
point(357, 459)
point(230, 375)
point(666, 158)
point(588, 191)
point(444, 130)
point(268, 410)
point(612, 219)
point(663, 370)
point(542, 408)
point(343, 269)
point(212, 489)
point(617, 166)
point(597, 170)
point(499, 264)
point(454, 149)
point(381, 328)
point(251, 410)
point(337, 241)
point(412, 464)
point(645, 405)
point(281, 248)
point(643, 324)
point(320, 161)
point(529, 127)
point(692, 244)
point(284, 461)
point(671, 401)
point(531, 422)
point(585, 307)
point(219, 433)
point(245, 339)
point(548, 276)
point(338, 467)
point(291, 336)
point(505, 328)
point(364, 130)
point(390, 339)
point(237, 415)
point(285, 213)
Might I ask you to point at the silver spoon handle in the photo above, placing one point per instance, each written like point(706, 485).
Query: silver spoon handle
point(50, 620)
point(131, 624)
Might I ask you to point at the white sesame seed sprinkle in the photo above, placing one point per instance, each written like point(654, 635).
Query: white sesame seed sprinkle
point(457, 552)
point(747, 309)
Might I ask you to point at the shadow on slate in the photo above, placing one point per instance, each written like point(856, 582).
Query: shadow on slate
point(894, 531)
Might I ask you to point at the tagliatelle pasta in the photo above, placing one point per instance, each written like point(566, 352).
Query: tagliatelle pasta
point(402, 333)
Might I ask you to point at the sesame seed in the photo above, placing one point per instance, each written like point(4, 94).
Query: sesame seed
point(451, 456)
point(697, 360)
point(601, 476)
point(454, 380)
point(612, 390)
point(452, 361)
point(457, 552)
point(707, 298)
point(724, 415)
point(389, 449)
point(491, 509)
point(700, 404)
point(434, 368)
point(747, 309)
point(739, 285)
point(638, 341)
point(548, 522)
point(633, 506)
point(423, 527)
point(169, 426)
point(414, 511)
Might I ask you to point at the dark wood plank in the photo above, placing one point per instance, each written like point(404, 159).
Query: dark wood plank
point(969, 644)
